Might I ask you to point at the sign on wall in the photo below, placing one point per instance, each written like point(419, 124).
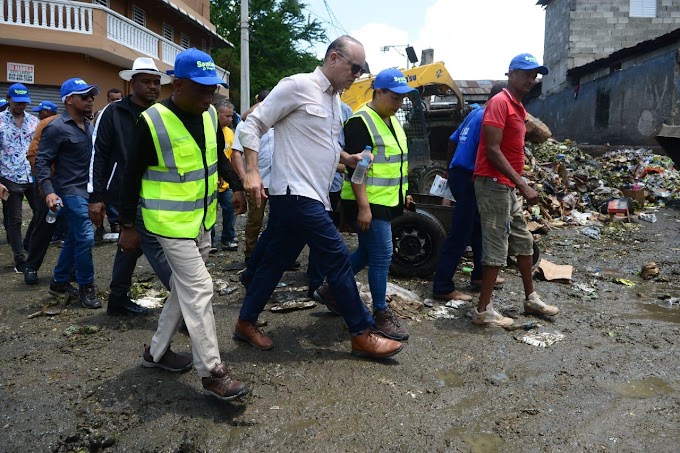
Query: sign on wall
point(20, 72)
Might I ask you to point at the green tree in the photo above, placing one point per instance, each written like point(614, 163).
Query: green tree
point(282, 36)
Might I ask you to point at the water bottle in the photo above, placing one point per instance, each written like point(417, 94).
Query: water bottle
point(52, 214)
point(359, 174)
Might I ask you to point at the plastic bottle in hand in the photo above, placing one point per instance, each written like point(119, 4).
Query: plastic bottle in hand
point(52, 214)
point(359, 174)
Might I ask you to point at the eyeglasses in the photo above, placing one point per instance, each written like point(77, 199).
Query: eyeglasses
point(86, 96)
point(357, 69)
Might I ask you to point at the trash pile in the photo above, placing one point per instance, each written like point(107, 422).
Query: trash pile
point(575, 187)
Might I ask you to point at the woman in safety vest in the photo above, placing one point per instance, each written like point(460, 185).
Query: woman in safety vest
point(373, 204)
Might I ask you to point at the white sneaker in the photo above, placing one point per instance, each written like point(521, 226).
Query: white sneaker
point(535, 305)
point(490, 317)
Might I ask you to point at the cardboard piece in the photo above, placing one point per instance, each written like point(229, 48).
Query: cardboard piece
point(638, 195)
point(556, 272)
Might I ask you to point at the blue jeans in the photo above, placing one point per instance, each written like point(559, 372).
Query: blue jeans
point(375, 251)
point(125, 262)
point(465, 229)
point(293, 222)
point(228, 217)
point(77, 249)
point(112, 214)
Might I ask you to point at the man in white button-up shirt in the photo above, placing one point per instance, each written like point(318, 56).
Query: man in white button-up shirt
point(304, 110)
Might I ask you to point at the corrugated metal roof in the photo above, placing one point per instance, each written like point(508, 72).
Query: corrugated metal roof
point(475, 87)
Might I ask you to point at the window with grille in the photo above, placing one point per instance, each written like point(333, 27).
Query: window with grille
point(643, 8)
point(102, 2)
point(204, 46)
point(138, 15)
point(184, 41)
point(168, 32)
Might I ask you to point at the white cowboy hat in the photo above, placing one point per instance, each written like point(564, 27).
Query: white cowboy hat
point(144, 65)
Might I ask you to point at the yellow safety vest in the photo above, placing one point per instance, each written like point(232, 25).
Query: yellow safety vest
point(179, 194)
point(390, 161)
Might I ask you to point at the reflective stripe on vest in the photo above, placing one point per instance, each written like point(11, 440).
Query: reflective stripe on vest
point(180, 193)
point(389, 170)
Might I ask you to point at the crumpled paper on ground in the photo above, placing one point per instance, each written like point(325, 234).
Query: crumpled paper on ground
point(540, 339)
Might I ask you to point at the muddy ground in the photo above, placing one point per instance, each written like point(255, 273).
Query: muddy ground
point(612, 383)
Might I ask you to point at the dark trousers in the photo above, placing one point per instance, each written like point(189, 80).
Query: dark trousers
point(125, 262)
point(13, 212)
point(294, 222)
point(466, 230)
point(41, 236)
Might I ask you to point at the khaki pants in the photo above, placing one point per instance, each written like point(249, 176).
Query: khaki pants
point(191, 291)
point(253, 224)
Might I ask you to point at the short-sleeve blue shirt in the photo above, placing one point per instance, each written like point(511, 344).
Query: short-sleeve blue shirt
point(467, 138)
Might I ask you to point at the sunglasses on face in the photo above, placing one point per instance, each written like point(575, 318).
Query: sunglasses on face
point(356, 68)
point(86, 96)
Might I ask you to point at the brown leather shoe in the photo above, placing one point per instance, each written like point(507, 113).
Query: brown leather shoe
point(221, 385)
point(455, 295)
point(251, 333)
point(170, 361)
point(324, 296)
point(387, 325)
point(370, 344)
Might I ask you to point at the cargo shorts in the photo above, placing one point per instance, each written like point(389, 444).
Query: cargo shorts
point(504, 231)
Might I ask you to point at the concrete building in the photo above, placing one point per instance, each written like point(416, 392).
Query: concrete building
point(578, 32)
point(44, 42)
point(613, 69)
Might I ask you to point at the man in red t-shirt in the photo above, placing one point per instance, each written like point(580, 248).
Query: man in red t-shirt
point(498, 169)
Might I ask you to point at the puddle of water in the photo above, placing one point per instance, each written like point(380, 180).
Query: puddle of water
point(468, 403)
point(449, 378)
point(483, 442)
point(656, 313)
point(644, 388)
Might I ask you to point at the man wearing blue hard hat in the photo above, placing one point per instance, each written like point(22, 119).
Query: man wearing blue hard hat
point(66, 143)
point(498, 176)
point(45, 109)
point(16, 133)
point(172, 173)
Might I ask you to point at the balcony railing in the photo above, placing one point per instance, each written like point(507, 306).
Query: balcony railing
point(53, 14)
point(77, 17)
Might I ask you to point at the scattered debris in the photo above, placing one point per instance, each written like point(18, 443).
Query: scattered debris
point(453, 303)
point(540, 339)
point(569, 180)
point(228, 290)
point(292, 305)
point(668, 301)
point(651, 218)
point(591, 232)
point(625, 282)
point(428, 303)
point(153, 298)
point(526, 326)
point(81, 330)
point(48, 310)
point(649, 270)
point(442, 312)
point(583, 287)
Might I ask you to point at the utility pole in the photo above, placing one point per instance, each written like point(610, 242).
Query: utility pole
point(245, 57)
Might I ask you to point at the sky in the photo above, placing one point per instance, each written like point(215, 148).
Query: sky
point(476, 39)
